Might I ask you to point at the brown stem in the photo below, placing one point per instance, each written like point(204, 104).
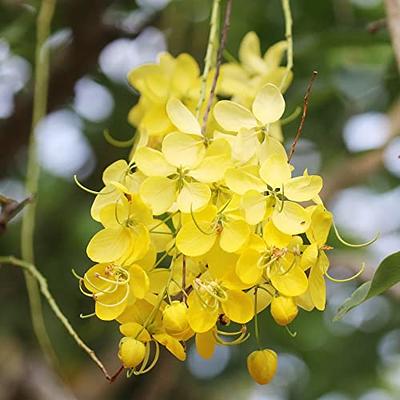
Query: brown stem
point(303, 117)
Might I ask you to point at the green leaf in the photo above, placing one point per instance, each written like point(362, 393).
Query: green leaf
point(386, 276)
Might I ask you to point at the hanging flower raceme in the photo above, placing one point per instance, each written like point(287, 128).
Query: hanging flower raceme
point(204, 227)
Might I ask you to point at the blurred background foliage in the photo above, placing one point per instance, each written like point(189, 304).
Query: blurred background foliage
point(350, 137)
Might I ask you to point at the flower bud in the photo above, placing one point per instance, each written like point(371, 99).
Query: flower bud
point(262, 365)
point(284, 310)
point(131, 352)
point(175, 320)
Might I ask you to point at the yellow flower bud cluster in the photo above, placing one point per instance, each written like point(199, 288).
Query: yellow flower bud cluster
point(204, 225)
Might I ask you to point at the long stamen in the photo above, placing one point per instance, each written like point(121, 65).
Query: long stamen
point(117, 303)
point(84, 316)
point(341, 240)
point(153, 363)
point(355, 276)
point(89, 190)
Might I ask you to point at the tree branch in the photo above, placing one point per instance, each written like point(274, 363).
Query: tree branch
point(393, 20)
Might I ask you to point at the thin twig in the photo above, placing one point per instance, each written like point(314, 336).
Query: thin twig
point(224, 35)
point(42, 62)
point(375, 26)
point(303, 116)
point(41, 280)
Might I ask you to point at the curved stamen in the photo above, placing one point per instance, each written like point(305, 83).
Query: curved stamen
point(115, 142)
point(153, 363)
point(198, 226)
point(84, 316)
point(118, 302)
point(355, 276)
point(341, 240)
point(83, 291)
point(75, 274)
point(242, 338)
point(292, 334)
point(108, 289)
point(89, 190)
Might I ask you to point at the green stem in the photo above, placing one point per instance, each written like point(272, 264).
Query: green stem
point(289, 39)
point(256, 328)
point(33, 171)
point(42, 285)
point(210, 53)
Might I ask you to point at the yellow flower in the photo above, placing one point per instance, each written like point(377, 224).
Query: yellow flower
point(262, 365)
point(201, 230)
point(157, 83)
point(218, 291)
point(268, 107)
point(314, 257)
point(175, 321)
point(113, 287)
point(277, 261)
point(242, 80)
point(131, 352)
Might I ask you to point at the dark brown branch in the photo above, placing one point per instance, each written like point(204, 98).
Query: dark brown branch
point(303, 116)
point(220, 54)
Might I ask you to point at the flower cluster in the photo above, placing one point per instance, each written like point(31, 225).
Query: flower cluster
point(204, 227)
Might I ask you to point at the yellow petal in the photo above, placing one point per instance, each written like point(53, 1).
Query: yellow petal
point(172, 345)
point(271, 146)
point(185, 74)
point(269, 104)
point(193, 242)
point(182, 118)
point(155, 121)
point(275, 171)
point(317, 288)
point(107, 195)
point(200, 319)
point(241, 180)
point(182, 150)
point(205, 344)
point(159, 193)
point(309, 256)
point(250, 54)
point(135, 330)
point(140, 245)
point(193, 196)
point(239, 306)
point(273, 56)
point(234, 235)
point(292, 220)
point(262, 365)
point(115, 172)
point(139, 281)
point(111, 305)
point(109, 244)
point(153, 163)
point(232, 116)
point(303, 188)
point(274, 237)
point(254, 206)
point(131, 352)
point(216, 161)
point(291, 283)
point(321, 223)
point(283, 310)
point(248, 268)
